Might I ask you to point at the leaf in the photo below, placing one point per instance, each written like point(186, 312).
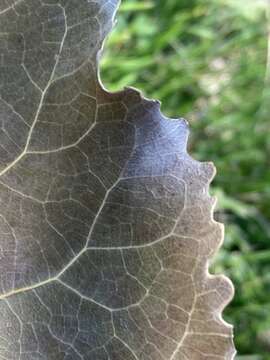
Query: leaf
point(106, 222)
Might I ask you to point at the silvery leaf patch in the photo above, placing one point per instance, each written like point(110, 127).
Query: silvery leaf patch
point(106, 223)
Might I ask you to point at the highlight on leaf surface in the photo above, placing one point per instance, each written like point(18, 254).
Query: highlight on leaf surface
point(106, 223)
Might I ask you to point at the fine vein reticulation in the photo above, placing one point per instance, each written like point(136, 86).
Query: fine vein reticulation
point(106, 223)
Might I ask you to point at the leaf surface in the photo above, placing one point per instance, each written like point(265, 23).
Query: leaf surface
point(106, 224)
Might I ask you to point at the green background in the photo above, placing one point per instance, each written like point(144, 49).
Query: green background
point(209, 61)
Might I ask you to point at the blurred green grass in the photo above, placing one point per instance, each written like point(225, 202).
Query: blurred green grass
point(209, 61)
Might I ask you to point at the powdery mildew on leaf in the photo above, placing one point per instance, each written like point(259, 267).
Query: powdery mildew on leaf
point(106, 224)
